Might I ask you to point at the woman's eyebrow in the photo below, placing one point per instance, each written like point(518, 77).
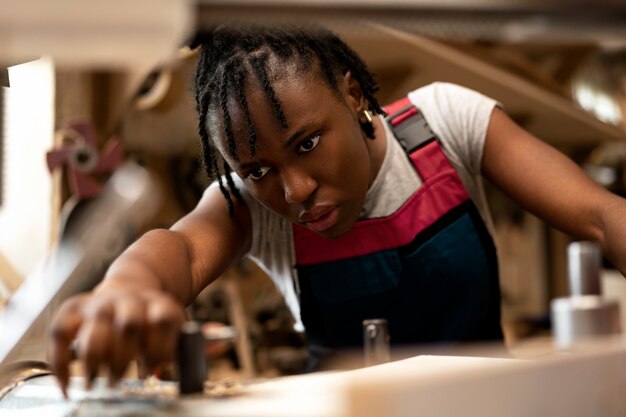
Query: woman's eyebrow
point(247, 165)
point(302, 131)
point(298, 134)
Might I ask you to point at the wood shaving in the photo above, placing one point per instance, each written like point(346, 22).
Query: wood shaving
point(224, 389)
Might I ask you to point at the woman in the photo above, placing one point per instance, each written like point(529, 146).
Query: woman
point(353, 215)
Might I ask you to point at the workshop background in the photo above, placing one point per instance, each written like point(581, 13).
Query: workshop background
point(566, 85)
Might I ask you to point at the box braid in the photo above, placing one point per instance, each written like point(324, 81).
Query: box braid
point(229, 56)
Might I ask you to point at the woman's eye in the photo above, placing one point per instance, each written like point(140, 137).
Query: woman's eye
point(309, 144)
point(258, 173)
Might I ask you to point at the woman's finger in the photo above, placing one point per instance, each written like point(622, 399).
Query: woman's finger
point(94, 338)
point(63, 330)
point(164, 317)
point(128, 330)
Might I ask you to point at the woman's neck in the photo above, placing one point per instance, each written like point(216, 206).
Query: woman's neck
point(377, 148)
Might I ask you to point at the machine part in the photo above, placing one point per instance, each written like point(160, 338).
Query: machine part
point(375, 341)
point(585, 314)
point(15, 373)
point(583, 260)
point(82, 159)
point(580, 318)
point(192, 367)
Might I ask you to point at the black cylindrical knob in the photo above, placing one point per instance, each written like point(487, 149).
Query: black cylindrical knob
point(191, 360)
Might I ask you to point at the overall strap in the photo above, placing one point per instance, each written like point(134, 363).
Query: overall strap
point(420, 143)
point(408, 125)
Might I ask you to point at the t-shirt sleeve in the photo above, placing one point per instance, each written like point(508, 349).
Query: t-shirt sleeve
point(460, 117)
point(258, 216)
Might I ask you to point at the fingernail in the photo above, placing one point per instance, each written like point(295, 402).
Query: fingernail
point(141, 371)
point(90, 378)
point(114, 378)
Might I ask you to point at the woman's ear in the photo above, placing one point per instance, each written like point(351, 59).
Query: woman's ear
point(354, 93)
point(359, 104)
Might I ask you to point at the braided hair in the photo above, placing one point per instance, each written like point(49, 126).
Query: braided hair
point(230, 56)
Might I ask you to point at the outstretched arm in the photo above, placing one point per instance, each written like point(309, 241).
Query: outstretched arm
point(551, 186)
point(137, 310)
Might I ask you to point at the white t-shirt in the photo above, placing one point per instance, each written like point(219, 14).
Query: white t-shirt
point(457, 115)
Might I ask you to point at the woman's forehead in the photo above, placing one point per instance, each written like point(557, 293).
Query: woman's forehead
point(299, 93)
point(290, 91)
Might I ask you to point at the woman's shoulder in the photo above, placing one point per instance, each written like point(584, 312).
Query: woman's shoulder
point(453, 107)
point(449, 93)
point(459, 116)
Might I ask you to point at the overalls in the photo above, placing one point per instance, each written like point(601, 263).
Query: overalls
point(429, 269)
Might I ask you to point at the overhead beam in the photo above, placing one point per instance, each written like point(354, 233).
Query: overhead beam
point(548, 115)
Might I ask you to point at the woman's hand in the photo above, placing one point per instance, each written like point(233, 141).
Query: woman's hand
point(137, 310)
point(113, 326)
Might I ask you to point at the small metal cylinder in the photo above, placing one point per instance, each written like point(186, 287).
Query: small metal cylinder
point(580, 318)
point(375, 341)
point(584, 262)
point(192, 367)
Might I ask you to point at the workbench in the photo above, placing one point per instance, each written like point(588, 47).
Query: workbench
point(589, 381)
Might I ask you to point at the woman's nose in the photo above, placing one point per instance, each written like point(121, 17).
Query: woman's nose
point(298, 186)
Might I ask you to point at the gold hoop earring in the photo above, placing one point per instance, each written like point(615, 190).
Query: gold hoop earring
point(368, 125)
point(367, 115)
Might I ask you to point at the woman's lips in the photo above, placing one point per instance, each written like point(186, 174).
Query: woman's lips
point(323, 222)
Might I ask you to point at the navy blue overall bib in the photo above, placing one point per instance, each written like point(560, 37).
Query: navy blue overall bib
point(430, 268)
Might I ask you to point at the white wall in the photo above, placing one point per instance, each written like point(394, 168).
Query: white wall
point(26, 211)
